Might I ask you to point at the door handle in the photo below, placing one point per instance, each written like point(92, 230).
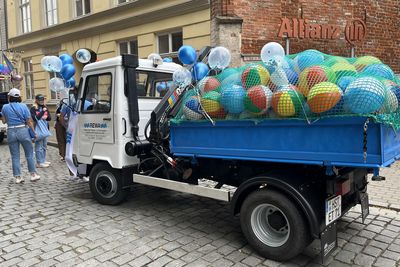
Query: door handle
point(123, 119)
point(106, 119)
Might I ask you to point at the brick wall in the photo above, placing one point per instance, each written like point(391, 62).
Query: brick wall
point(262, 18)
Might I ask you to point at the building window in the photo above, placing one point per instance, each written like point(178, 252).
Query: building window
point(28, 77)
point(25, 10)
point(128, 47)
point(169, 44)
point(82, 7)
point(51, 12)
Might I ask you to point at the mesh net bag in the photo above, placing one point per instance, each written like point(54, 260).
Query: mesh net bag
point(308, 85)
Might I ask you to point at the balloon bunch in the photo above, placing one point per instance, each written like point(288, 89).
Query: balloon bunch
point(218, 59)
point(62, 65)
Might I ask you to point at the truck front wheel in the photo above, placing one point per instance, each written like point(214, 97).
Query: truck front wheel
point(273, 225)
point(106, 184)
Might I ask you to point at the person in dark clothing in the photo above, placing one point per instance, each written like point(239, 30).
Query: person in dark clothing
point(39, 111)
point(61, 132)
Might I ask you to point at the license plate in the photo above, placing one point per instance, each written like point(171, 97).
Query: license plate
point(333, 209)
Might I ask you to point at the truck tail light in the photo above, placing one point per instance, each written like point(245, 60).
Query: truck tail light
point(343, 187)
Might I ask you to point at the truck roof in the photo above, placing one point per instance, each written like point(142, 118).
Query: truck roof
point(144, 64)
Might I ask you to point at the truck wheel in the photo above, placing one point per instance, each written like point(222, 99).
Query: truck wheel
point(273, 225)
point(1, 137)
point(106, 184)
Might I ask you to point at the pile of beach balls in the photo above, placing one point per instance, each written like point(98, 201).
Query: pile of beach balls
point(309, 83)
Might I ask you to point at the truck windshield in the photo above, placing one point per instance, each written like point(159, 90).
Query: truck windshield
point(153, 84)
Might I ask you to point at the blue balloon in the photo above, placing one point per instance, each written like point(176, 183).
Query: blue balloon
point(70, 82)
point(1, 67)
point(67, 71)
point(199, 71)
point(66, 59)
point(161, 87)
point(187, 54)
point(167, 59)
point(292, 76)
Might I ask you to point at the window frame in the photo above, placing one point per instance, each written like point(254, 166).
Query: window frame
point(169, 33)
point(25, 5)
point(128, 41)
point(28, 73)
point(151, 81)
point(85, 91)
point(83, 8)
point(53, 11)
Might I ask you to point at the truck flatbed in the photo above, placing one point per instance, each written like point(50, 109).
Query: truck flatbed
point(332, 141)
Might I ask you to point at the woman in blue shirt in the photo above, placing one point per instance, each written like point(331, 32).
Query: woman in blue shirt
point(17, 117)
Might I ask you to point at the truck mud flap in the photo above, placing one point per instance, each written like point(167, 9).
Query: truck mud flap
point(328, 241)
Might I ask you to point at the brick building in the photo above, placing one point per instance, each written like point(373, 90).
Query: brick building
point(245, 26)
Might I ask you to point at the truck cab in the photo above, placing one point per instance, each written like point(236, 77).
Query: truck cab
point(104, 124)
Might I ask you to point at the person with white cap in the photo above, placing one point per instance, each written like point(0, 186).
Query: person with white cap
point(18, 118)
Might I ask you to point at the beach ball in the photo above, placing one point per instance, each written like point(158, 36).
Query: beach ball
point(364, 95)
point(361, 62)
point(307, 59)
point(258, 99)
point(323, 96)
point(287, 87)
point(208, 84)
point(191, 108)
point(230, 76)
point(379, 70)
point(395, 88)
point(329, 62)
point(232, 98)
point(312, 76)
point(211, 104)
point(287, 103)
point(391, 103)
point(344, 81)
point(344, 69)
point(255, 75)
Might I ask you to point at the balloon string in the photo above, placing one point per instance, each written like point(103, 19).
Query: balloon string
point(205, 114)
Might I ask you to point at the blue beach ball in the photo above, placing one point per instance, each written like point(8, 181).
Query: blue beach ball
point(232, 99)
point(364, 95)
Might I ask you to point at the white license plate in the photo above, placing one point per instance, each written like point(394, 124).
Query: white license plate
point(333, 209)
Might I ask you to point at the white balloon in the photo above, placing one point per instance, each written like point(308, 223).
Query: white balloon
point(270, 50)
point(44, 62)
point(83, 55)
point(56, 84)
point(54, 64)
point(219, 58)
point(182, 77)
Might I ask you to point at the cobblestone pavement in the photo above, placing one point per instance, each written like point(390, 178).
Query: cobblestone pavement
point(55, 222)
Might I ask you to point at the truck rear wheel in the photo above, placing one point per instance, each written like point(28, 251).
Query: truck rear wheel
point(106, 184)
point(273, 225)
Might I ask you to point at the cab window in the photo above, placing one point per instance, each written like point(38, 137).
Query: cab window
point(97, 94)
point(153, 84)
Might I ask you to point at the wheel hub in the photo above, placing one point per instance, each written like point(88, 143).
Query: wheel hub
point(270, 225)
point(106, 184)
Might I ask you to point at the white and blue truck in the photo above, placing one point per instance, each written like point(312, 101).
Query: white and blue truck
point(292, 180)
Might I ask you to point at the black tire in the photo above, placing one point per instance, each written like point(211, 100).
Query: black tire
point(106, 185)
point(273, 225)
point(1, 137)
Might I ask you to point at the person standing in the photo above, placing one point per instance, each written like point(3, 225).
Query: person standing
point(39, 111)
point(18, 119)
point(61, 131)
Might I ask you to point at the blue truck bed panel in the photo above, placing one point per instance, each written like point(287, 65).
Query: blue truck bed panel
point(328, 141)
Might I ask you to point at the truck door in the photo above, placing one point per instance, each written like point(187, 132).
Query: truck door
point(96, 125)
point(151, 87)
